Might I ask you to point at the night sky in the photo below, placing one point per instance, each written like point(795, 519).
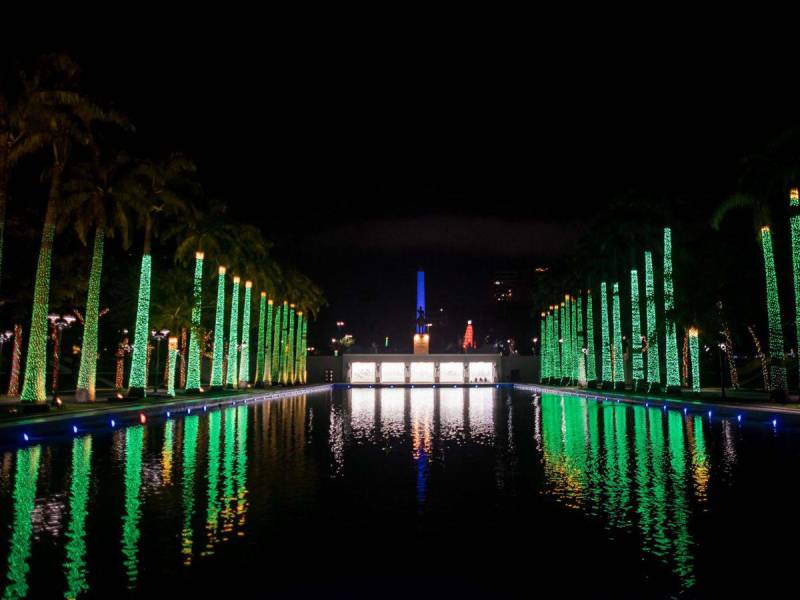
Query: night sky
point(364, 163)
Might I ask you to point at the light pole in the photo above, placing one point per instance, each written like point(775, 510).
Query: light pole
point(159, 336)
point(59, 324)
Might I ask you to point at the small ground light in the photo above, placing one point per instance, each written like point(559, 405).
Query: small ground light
point(113, 423)
point(168, 414)
point(774, 422)
point(142, 418)
point(25, 437)
point(709, 413)
point(188, 411)
point(684, 410)
point(739, 418)
point(665, 407)
point(74, 429)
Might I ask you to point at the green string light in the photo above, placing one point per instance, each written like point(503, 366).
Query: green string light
point(173, 361)
point(131, 532)
point(566, 346)
point(557, 345)
point(190, 430)
point(218, 351)
point(137, 379)
point(575, 362)
point(268, 346)
point(284, 351)
point(24, 496)
point(290, 347)
point(794, 226)
point(233, 339)
point(619, 362)
point(694, 352)
point(276, 347)
point(244, 358)
point(581, 344)
point(75, 548)
point(543, 348)
point(605, 350)
point(298, 348)
point(305, 350)
point(262, 315)
point(193, 372)
point(87, 373)
point(653, 366)
point(776, 369)
point(36, 362)
point(637, 360)
point(591, 370)
point(673, 368)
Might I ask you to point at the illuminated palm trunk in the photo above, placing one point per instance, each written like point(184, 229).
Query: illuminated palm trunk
point(567, 344)
point(87, 374)
point(276, 348)
point(694, 351)
point(193, 372)
point(591, 370)
point(16, 359)
point(305, 351)
point(268, 350)
point(794, 226)
point(172, 362)
point(673, 371)
point(581, 345)
point(542, 346)
point(637, 360)
point(218, 350)
point(619, 362)
point(244, 357)
point(290, 347)
point(262, 310)
point(298, 349)
point(653, 366)
point(557, 345)
point(137, 379)
point(233, 337)
point(605, 350)
point(285, 343)
point(777, 370)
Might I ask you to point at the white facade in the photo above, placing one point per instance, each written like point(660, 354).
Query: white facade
point(401, 369)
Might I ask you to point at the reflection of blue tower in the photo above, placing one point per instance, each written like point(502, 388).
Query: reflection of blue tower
point(422, 476)
point(420, 302)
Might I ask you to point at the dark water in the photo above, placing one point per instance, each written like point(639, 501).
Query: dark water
point(397, 493)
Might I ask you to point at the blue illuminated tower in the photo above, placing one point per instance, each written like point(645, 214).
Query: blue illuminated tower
point(420, 309)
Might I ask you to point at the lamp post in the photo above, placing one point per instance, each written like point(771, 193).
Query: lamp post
point(4, 337)
point(722, 349)
point(158, 336)
point(59, 324)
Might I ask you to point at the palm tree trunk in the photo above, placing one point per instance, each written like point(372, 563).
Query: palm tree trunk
point(777, 369)
point(137, 380)
point(4, 167)
point(88, 369)
point(33, 389)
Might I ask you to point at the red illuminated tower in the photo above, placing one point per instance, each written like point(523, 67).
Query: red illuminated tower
point(469, 339)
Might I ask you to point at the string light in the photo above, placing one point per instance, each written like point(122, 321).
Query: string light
point(574, 338)
point(276, 348)
point(36, 363)
point(298, 347)
point(184, 347)
point(290, 347)
point(591, 371)
point(605, 350)
point(88, 368)
point(653, 366)
point(16, 359)
point(637, 360)
point(262, 310)
point(618, 364)
point(137, 380)
point(268, 346)
point(581, 344)
point(761, 356)
point(673, 371)
point(775, 343)
point(567, 345)
point(694, 350)
point(233, 336)
point(304, 371)
point(559, 324)
point(244, 357)
point(173, 361)
point(542, 350)
point(794, 226)
point(218, 349)
point(193, 372)
point(285, 343)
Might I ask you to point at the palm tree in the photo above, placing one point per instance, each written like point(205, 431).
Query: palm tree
point(89, 196)
point(56, 116)
point(155, 190)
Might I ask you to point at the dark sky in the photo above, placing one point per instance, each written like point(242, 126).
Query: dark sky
point(365, 161)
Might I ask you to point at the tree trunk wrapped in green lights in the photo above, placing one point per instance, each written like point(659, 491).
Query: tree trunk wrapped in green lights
point(637, 360)
point(794, 226)
point(581, 343)
point(195, 335)
point(137, 379)
point(232, 379)
point(777, 370)
point(276, 347)
point(218, 351)
point(298, 343)
point(591, 369)
point(605, 351)
point(290, 347)
point(304, 371)
point(619, 362)
point(258, 380)
point(87, 374)
point(575, 362)
point(566, 346)
point(557, 344)
point(173, 361)
point(653, 362)
point(673, 370)
point(284, 351)
point(542, 348)
point(694, 352)
point(268, 345)
point(244, 357)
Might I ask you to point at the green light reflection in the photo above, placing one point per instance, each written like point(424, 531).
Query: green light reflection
point(75, 564)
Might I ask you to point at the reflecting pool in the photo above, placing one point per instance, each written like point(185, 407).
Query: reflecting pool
point(407, 492)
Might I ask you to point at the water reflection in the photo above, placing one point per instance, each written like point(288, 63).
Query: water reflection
point(75, 565)
point(25, 479)
point(134, 443)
